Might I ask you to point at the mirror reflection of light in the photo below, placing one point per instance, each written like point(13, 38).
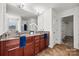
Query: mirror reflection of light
point(39, 10)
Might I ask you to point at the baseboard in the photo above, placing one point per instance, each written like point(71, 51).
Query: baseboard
point(51, 46)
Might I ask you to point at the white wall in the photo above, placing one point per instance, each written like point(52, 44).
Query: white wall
point(45, 24)
point(44, 21)
point(55, 24)
point(3, 23)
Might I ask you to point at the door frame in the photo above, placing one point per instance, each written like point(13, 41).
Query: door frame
point(73, 27)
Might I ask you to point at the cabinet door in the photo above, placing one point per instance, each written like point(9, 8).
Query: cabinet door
point(42, 44)
point(37, 44)
point(46, 43)
point(29, 49)
point(12, 52)
point(15, 52)
point(36, 50)
point(19, 52)
point(12, 48)
point(0, 48)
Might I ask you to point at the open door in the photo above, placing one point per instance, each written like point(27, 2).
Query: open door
point(67, 31)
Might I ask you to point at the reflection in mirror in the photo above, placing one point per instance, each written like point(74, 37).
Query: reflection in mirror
point(12, 24)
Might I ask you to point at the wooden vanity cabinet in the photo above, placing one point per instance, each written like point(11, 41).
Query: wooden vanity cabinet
point(29, 49)
point(34, 45)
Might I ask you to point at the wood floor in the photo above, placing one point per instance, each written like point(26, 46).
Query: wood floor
point(64, 49)
point(59, 50)
point(68, 40)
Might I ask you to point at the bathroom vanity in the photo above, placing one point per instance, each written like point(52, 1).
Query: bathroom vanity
point(34, 44)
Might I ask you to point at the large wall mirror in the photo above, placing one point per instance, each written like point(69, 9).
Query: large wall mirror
point(12, 23)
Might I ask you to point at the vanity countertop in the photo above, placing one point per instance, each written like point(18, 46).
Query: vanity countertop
point(17, 37)
point(9, 38)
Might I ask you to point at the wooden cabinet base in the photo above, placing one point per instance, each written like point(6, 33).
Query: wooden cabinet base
point(34, 45)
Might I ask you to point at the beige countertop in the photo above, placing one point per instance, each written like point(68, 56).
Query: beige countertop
point(9, 38)
point(27, 35)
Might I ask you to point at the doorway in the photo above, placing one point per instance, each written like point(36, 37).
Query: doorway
point(67, 31)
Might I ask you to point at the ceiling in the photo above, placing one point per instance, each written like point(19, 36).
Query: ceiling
point(19, 12)
point(56, 6)
point(38, 8)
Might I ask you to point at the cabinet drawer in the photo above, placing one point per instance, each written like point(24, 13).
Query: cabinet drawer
point(42, 37)
point(11, 46)
point(12, 42)
point(15, 52)
point(37, 37)
point(30, 39)
point(36, 50)
point(12, 53)
point(36, 44)
point(37, 41)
